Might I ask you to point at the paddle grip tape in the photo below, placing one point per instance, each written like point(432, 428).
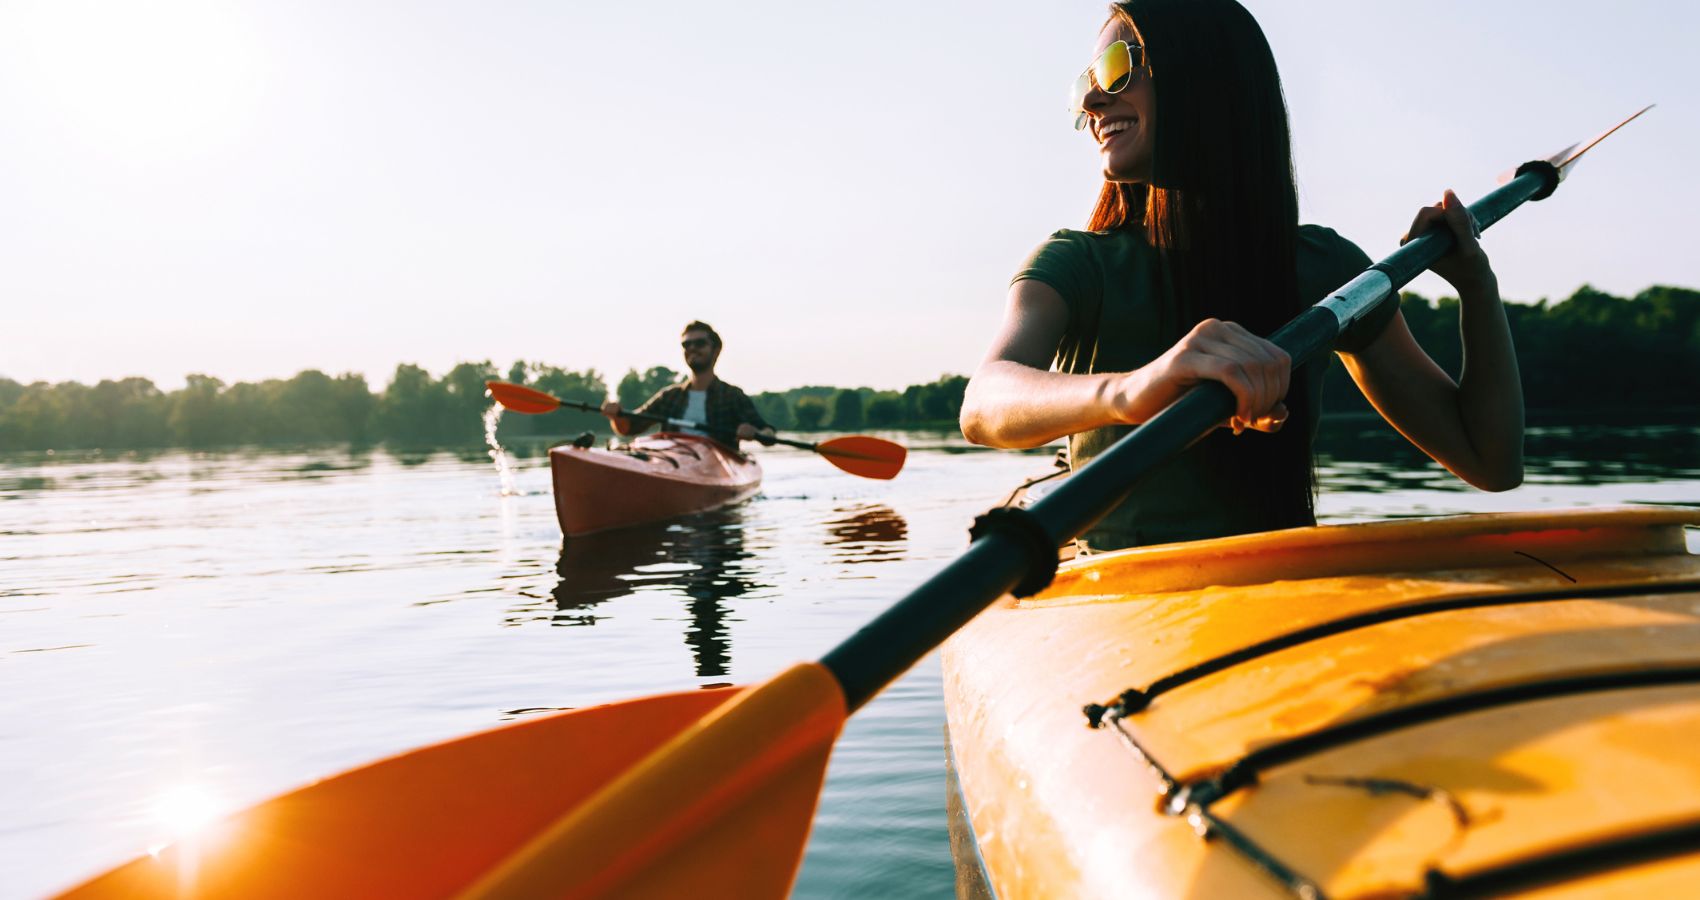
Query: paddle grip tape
point(1026, 531)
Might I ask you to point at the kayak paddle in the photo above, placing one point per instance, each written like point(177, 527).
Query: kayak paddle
point(858, 454)
point(1013, 551)
point(703, 792)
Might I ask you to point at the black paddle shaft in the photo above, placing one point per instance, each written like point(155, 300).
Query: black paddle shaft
point(664, 421)
point(724, 437)
point(1001, 558)
point(641, 417)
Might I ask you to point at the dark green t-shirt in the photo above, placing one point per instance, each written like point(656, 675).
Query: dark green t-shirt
point(1115, 286)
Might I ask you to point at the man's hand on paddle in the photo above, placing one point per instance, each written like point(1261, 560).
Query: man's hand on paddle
point(616, 417)
point(748, 432)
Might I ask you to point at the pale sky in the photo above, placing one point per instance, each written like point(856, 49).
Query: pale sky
point(249, 189)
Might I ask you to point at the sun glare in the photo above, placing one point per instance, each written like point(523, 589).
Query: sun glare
point(185, 809)
point(167, 77)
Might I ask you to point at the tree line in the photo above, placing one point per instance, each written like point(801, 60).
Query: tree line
point(1592, 351)
point(416, 409)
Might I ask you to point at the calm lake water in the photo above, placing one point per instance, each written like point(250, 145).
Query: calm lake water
point(228, 626)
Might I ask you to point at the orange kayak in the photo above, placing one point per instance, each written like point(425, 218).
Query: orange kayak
point(1467, 706)
point(655, 477)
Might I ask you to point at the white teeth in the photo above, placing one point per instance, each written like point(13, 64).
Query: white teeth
point(1114, 128)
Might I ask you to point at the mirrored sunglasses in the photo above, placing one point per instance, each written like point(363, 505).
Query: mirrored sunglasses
point(1110, 73)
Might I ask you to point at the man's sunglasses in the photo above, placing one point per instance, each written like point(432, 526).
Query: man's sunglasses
point(1111, 73)
point(694, 343)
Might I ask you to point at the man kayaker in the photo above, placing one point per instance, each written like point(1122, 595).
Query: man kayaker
point(722, 408)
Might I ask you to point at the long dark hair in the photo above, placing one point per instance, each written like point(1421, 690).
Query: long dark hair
point(1223, 212)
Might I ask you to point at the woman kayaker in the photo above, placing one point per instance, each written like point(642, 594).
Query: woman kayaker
point(1193, 251)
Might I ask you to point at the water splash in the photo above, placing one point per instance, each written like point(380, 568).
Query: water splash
point(504, 462)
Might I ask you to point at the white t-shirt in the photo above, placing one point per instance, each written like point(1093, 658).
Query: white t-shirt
point(696, 410)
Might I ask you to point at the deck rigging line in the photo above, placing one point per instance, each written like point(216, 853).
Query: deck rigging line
point(1615, 852)
point(1136, 699)
point(1193, 800)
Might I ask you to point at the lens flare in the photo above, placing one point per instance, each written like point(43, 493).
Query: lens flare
point(185, 809)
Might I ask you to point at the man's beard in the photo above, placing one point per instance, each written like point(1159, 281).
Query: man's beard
point(701, 368)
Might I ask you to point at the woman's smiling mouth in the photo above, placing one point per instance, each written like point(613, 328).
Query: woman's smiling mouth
point(1108, 130)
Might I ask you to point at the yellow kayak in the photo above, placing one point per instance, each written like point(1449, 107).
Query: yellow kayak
point(1475, 705)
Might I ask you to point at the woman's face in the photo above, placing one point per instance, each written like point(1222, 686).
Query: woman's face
point(1124, 123)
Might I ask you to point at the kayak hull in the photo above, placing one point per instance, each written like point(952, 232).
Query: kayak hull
point(1351, 710)
point(659, 477)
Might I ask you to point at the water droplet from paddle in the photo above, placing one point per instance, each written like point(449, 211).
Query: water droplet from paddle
point(504, 462)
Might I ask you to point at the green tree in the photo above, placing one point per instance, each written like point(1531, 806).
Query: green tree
point(34, 417)
point(462, 420)
point(194, 417)
point(914, 405)
point(250, 412)
point(75, 422)
point(774, 408)
point(808, 413)
point(635, 388)
point(138, 412)
point(409, 406)
point(938, 402)
point(352, 407)
point(304, 409)
point(11, 425)
point(847, 410)
point(886, 411)
point(584, 387)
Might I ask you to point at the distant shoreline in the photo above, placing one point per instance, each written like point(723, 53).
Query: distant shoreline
point(529, 444)
point(1593, 357)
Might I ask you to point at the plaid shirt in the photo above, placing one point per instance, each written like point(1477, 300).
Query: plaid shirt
point(728, 407)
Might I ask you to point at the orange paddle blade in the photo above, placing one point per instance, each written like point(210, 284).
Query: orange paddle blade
point(520, 398)
point(426, 823)
point(723, 809)
point(866, 456)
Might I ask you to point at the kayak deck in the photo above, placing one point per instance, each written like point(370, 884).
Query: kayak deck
point(654, 478)
point(1347, 710)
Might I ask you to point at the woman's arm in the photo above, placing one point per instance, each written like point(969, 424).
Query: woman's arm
point(1474, 426)
point(1015, 401)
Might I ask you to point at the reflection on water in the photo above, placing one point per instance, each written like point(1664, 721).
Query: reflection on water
point(701, 557)
point(24, 474)
point(1369, 456)
point(185, 618)
point(708, 560)
point(12, 487)
point(867, 533)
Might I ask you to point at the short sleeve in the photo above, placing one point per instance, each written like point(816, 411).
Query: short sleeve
point(1065, 263)
point(1346, 260)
